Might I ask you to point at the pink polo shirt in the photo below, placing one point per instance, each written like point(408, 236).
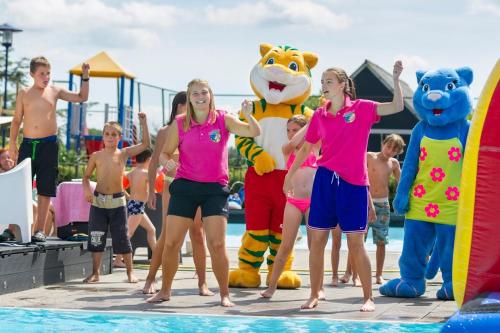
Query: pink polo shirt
point(203, 154)
point(344, 138)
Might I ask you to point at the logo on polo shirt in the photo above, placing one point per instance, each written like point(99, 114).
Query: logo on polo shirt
point(215, 135)
point(349, 117)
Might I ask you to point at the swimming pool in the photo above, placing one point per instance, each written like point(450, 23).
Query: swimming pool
point(35, 320)
point(236, 230)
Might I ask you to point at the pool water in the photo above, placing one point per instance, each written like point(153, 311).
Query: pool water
point(34, 321)
point(236, 230)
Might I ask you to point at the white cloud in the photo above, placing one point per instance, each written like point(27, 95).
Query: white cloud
point(241, 14)
point(484, 6)
point(94, 21)
point(279, 12)
point(411, 63)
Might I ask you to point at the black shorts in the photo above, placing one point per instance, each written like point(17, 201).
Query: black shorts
point(187, 195)
point(44, 154)
point(108, 211)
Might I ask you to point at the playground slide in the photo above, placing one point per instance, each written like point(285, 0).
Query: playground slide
point(476, 258)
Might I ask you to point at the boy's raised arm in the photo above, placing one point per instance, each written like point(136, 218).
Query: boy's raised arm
point(145, 142)
point(83, 94)
point(15, 125)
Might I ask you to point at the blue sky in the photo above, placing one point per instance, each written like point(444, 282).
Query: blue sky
point(167, 43)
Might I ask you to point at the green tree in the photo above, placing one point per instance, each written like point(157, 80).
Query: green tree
point(312, 102)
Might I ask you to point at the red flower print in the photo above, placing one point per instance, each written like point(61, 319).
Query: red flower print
point(452, 193)
point(432, 210)
point(454, 154)
point(423, 154)
point(419, 191)
point(437, 174)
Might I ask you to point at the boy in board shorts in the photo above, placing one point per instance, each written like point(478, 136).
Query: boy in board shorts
point(108, 206)
point(381, 165)
point(36, 109)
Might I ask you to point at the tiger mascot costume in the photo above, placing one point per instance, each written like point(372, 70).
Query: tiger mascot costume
point(282, 82)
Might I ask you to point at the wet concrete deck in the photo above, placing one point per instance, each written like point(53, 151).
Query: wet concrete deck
point(112, 293)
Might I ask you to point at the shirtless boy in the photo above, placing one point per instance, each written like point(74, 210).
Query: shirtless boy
point(36, 109)
point(139, 192)
point(108, 205)
point(380, 167)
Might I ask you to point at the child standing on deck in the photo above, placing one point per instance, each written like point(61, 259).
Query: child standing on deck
point(36, 109)
point(108, 205)
point(381, 165)
point(340, 191)
point(297, 206)
point(138, 181)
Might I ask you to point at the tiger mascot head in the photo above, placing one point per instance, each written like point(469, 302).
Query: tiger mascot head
point(283, 74)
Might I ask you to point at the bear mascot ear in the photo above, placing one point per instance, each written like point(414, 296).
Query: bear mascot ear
point(466, 74)
point(310, 59)
point(264, 48)
point(420, 73)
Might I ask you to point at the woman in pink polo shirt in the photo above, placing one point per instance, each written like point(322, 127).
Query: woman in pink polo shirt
point(201, 181)
point(340, 191)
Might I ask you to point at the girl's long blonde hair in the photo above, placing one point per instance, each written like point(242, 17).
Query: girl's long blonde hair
point(189, 113)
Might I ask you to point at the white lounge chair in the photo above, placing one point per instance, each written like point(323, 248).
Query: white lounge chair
point(16, 199)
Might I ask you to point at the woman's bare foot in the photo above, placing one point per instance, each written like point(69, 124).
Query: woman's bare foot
point(159, 297)
point(379, 280)
point(356, 282)
point(345, 278)
point(93, 278)
point(204, 291)
point(311, 303)
point(321, 295)
point(226, 302)
point(368, 306)
point(132, 278)
point(335, 281)
point(149, 287)
point(268, 293)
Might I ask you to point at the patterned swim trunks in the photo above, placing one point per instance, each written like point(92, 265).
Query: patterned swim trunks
point(136, 207)
point(380, 229)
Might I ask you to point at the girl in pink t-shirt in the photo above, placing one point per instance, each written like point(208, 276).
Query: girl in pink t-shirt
point(201, 181)
point(340, 190)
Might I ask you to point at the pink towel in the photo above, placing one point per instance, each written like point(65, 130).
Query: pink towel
point(70, 204)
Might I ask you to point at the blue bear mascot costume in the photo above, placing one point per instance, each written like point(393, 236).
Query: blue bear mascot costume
point(429, 188)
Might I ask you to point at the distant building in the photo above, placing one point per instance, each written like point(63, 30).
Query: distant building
point(374, 83)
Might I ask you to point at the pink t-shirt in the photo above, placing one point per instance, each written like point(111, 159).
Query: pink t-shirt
point(203, 155)
point(344, 138)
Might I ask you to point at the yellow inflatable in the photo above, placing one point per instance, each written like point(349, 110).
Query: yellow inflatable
point(282, 82)
point(476, 257)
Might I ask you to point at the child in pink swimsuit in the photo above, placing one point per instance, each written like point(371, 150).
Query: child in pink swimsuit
point(297, 205)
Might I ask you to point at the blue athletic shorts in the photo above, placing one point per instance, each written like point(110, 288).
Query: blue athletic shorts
point(335, 201)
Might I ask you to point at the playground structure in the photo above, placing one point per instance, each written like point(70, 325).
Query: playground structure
point(102, 66)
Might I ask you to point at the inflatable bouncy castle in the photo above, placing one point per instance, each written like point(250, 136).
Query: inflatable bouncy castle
point(476, 263)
